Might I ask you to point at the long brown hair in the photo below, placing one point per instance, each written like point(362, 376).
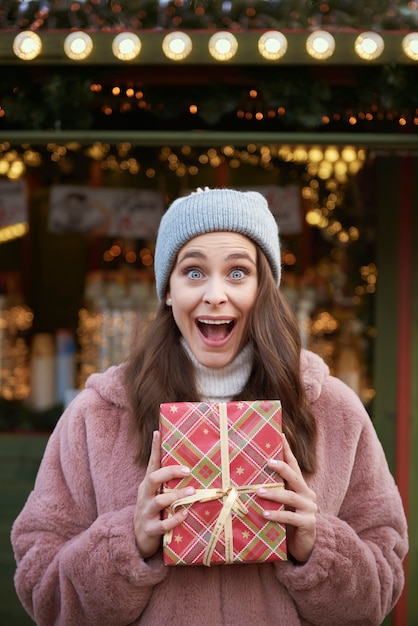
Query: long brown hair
point(159, 370)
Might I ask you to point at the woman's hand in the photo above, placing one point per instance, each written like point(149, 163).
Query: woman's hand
point(148, 525)
point(299, 501)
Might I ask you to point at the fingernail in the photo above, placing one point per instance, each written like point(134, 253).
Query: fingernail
point(273, 462)
point(262, 491)
point(185, 470)
point(189, 491)
point(154, 435)
point(266, 513)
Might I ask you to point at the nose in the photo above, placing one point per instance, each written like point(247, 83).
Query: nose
point(215, 293)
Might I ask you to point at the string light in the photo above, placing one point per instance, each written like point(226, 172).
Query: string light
point(369, 46)
point(223, 46)
point(13, 231)
point(27, 45)
point(78, 45)
point(272, 45)
point(410, 46)
point(14, 352)
point(126, 46)
point(177, 46)
point(320, 45)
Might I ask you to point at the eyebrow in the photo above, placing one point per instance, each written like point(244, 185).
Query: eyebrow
point(195, 254)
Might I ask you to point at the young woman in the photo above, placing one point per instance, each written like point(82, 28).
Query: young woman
point(88, 541)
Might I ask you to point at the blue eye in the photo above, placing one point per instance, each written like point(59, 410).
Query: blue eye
point(194, 274)
point(237, 274)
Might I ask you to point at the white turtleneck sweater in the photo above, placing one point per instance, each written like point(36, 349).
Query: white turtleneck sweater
point(222, 384)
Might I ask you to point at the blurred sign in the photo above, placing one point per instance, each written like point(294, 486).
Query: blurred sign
point(13, 202)
point(105, 211)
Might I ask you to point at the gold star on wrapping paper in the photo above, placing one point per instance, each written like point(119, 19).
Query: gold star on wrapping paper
point(207, 513)
point(205, 431)
point(240, 405)
point(268, 445)
point(174, 408)
point(240, 471)
point(178, 538)
point(246, 534)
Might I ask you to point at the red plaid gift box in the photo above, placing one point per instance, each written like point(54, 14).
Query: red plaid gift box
point(226, 445)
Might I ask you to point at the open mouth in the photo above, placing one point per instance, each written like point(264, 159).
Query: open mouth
point(215, 330)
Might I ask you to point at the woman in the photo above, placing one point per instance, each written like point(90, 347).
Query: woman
point(88, 541)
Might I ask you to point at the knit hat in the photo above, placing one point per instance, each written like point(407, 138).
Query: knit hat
point(212, 210)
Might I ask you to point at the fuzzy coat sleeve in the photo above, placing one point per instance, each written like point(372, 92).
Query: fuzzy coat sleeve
point(74, 541)
point(355, 573)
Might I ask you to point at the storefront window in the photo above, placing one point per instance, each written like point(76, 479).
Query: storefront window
point(86, 263)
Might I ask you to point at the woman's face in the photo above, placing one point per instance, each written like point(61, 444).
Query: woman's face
point(212, 289)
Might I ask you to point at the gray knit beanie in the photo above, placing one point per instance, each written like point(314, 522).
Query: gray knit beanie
point(211, 210)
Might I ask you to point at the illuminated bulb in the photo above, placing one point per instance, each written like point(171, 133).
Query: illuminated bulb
point(300, 155)
point(16, 170)
point(8, 233)
point(78, 45)
point(272, 45)
point(27, 45)
point(410, 46)
point(320, 44)
point(315, 155)
point(4, 167)
point(349, 154)
point(354, 166)
point(325, 170)
point(331, 154)
point(340, 168)
point(369, 46)
point(223, 46)
point(313, 218)
point(126, 46)
point(177, 46)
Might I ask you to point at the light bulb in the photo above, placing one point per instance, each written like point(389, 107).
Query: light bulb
point(78, 45)
point(126, 46)
point(223, 46)
point(272, 45)
point(410, 46)
point(177, 46)
point(27, 45)
point(369, 46)
point(320, 44)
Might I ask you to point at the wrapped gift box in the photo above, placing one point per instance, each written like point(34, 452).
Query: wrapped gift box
point(226, 446)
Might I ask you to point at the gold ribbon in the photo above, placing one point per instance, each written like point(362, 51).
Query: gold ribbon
point(229, 493)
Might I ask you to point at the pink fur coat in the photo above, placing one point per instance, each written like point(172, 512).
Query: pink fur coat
point(77, 561)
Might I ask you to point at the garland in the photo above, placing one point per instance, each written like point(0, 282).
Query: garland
point(372, 99)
